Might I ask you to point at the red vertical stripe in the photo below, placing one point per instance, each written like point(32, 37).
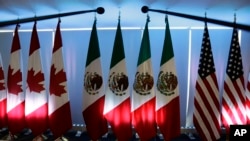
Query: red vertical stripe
point(16, 122)
point(3, 113)
point(120, 121)
point(38, 121)
point(95, 122)
point(168, 120)
point(143, 120)
point(16, 115)
point(59, 120)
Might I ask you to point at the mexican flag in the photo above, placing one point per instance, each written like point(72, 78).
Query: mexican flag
point(167, 92)
point(93, 93)
point(117, 98)
point(143, 94)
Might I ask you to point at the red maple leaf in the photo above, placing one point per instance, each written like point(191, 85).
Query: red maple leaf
point(34, 81)
point(14, 81)
point(56, 79)
point(1, 78)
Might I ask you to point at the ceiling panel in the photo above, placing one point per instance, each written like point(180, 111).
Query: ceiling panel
point(130, 11)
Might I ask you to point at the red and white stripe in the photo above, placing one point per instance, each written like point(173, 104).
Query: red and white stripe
point(248, 100)
point(233, 102)
point(36, 108)
point(15, 95)
point(59, 105)
point(207, 108)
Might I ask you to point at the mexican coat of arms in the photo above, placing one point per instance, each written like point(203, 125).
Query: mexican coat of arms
point(143, 84)
point(92, 82)
point(118, 83)
point(167, 83)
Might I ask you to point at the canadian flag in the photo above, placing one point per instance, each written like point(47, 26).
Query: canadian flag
point(36, 108)
point(3, 98)
point(59, 105)
point(15, 96)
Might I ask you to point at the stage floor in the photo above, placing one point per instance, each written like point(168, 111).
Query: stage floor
point(72, 136)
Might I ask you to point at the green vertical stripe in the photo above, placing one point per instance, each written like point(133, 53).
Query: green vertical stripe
point(93, 51)
point(167, 52)
point(145, 46)
point(118, 49)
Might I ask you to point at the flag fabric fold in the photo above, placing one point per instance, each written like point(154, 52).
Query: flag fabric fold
point(3, 98)
point(167, 92)
point(206, 115)
point(36, 107)
point(59, 105)
point(117, 108)
point(233, 99)
point(15, 95)
point(93, 93)
point(143, 93)
point(248, 100)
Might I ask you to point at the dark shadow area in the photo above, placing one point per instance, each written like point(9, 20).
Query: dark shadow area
point(71, 136)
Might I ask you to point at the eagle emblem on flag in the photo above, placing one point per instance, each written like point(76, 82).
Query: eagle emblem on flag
point(166, 83)
point(143, 83)
point(92, 82)
point(118, 83)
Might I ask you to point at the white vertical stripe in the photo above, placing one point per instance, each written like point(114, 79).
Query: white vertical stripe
point(56, 102)
point(35, 62)
point(34, 100)
point(15, 99)
point(88, 99)
point(162, 100)
point(137, 99)
point(111, 100)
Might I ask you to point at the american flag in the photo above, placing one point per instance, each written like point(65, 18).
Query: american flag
point(248, 100)
point(233, 100)
point(207, 108)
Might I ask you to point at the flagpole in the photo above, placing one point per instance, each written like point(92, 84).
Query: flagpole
point(99, 10)
point(145, 9)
